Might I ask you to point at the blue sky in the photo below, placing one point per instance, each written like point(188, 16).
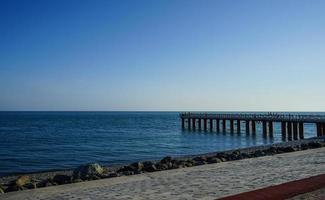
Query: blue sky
point(162, 55)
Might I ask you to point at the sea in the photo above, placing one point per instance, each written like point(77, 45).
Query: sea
point(44, 141)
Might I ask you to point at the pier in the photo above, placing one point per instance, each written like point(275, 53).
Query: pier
point(292, 125)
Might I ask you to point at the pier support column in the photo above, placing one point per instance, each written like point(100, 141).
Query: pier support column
point(322, 129)
point(183, 123)
point(218, 125)
point(284, 130)
point(264, 128)
point(301, 130)
point(318, 127)
point(295, 130)
point(194, 123)
point(254, 127)
point(289, 130)
point(271, 128)
point(247, 126)
point(189, 123)
point(205, 124)
point(224, 126)
point(200, 123)
point(238, 126)
point(211, 125)
point(231, 126)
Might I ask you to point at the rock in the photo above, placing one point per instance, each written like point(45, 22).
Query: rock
point(304, 146)
point(88, 172)
point(214, 160)
point(175, 166)
point(2, 190)
point(314, 145)
point(62, 179)
point(128, 173)
point(272, 150)
point(44, 183)
point(188, 164)
point(200, 158)
point(13, 188)
point(134, 168)
point(22, 180)
point(161, 166)
point(166, 160)
point(126, 169)
point(179, 163)
point(30, 186)
point(138, 166)
point(258, 153)
point(149, 166)
point(245, 155)
point(200, 162)
point(288, 149)
point(222, 157)
point(112, 174)
point(76, 180)
point(235, 155)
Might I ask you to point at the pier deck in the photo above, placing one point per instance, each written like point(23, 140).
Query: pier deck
point(292, 125)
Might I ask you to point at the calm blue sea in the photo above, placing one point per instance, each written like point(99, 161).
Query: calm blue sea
point(37, 141)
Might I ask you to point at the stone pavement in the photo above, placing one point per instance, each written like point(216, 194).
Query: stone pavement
point(202, 182)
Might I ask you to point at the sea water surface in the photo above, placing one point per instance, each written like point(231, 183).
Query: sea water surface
point(40, 141)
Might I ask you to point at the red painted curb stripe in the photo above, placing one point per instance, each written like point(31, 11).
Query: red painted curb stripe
point(283, 191)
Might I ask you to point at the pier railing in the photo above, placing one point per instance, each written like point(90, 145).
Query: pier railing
point(275, 117)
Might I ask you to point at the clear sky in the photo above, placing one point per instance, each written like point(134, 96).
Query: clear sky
point(231, 55)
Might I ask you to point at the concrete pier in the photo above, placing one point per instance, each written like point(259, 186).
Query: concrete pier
point(238, 126)
point(194, 123)
point(224, 125)
point(264, 127)
point(292, 126)
point(200, 124)
point(231, 126)
point(211, 124)
point(295, 130)
point(284, 129)
point(301, 130)
point(247, 126)
point(289, 124)
point(254, 127)
point(271, 128)
point(218, 125)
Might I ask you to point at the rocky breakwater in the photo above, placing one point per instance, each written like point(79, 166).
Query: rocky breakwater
point(95, 171)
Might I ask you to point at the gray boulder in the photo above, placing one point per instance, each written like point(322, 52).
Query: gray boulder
point(22, 181)
point(149, 166)
point(88, 172)
point(166, 160)
point(138, 166)
point(62, 179)
point(45, 183)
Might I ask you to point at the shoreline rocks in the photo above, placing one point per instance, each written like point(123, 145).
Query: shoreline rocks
point(61, 179)
point(88, 172)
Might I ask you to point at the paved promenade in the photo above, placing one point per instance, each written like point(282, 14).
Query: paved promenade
point(201, 182)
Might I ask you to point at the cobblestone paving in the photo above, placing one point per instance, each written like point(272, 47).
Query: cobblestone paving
point(201, 182)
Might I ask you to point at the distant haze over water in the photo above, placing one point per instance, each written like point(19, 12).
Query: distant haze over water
point(36, 141)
